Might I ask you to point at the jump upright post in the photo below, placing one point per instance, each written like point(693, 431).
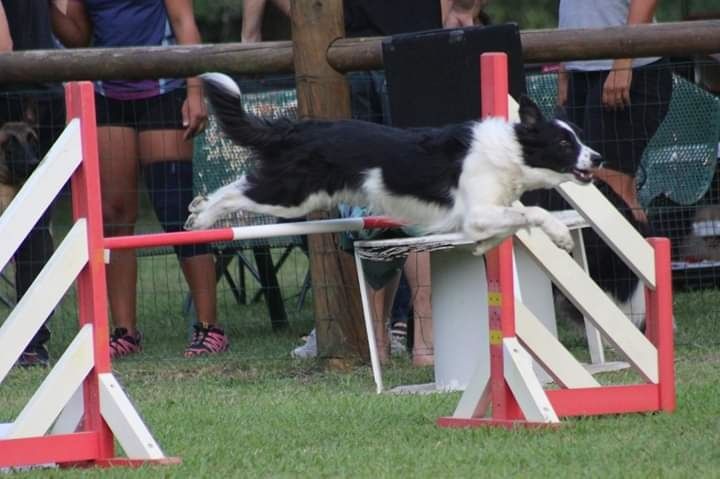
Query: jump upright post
point(508, 386)
point(79, 409)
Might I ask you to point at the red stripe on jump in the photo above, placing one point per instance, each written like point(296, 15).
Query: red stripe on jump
point(374, 222)
point(168, 239)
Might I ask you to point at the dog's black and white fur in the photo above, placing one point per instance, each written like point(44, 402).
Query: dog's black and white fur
point(459, 177)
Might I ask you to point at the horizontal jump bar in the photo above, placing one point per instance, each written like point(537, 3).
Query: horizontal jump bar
point(250, 232)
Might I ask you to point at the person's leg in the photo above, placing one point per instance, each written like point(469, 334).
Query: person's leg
point(167, 158)
point(169, 185)
point(400, 318)
point(381, 301)
point(161, 140)
point(30, 258)
point(417, 270)
point(623, 184)
point(118, 181)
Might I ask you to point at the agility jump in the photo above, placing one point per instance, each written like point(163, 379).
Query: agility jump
point(81, 391)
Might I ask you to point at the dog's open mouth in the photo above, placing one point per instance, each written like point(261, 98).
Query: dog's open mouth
point(583, 176)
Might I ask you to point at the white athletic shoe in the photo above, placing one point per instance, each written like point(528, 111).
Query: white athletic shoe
point(307, 350)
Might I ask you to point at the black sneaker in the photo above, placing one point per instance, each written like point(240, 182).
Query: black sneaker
point(34, 355)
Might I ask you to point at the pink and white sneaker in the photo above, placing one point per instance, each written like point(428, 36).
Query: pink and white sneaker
point(206, 339)
point(123, 344)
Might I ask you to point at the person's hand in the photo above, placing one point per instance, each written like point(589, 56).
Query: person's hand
point(194, 111)
point(462, 13)
point(457, 18)
point(616, 90)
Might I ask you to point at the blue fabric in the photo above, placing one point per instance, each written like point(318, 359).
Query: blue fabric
point(128, 23)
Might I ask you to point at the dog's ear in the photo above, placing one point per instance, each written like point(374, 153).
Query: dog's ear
point(530, 114)
point(30, 112)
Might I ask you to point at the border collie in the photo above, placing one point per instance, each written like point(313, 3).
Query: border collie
point(461, 177)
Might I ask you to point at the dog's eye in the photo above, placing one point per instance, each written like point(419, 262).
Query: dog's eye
point(564, 144)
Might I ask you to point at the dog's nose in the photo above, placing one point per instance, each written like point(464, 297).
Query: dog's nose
point(595, 158)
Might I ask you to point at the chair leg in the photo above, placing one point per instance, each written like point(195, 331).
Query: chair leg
point(222, 263)
point(304, 290)
point(270, 287)
point(285, 255)
point(242, 286)
point(276, 268)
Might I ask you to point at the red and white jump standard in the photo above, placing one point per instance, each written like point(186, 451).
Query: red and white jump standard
point(509, 387)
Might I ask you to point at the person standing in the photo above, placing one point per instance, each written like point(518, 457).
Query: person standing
point(25, 25)
point(146, 124)
point(618, 103)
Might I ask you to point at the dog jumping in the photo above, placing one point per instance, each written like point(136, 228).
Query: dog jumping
point(462, 177)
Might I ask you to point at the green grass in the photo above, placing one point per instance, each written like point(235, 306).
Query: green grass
point(232, 417)
point(254, 412)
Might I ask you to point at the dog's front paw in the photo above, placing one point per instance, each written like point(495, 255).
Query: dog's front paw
point(197, 204)
point(201, 220)
point(190, 223)
point(200, 215)
point(562, 238)
point(480, 249)
point(566, 243)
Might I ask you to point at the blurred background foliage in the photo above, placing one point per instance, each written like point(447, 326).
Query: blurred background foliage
point(221, 20)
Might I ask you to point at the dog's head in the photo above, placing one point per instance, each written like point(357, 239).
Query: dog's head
point(19, 152)
point(553, 147)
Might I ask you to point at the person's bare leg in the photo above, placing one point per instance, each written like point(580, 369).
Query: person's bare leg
point(623, 185)
point(118, 181)
point(382, 302)
point(417, 272)
point(199, 271)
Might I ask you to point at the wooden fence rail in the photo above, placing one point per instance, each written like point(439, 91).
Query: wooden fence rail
point(665, 39)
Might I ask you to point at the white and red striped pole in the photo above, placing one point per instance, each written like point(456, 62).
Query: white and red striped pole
point(250, 232)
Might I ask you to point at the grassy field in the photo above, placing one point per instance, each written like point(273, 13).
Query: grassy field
point(255, 412)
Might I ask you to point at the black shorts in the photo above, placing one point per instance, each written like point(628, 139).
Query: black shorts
point(162, 112)
point(620, 136)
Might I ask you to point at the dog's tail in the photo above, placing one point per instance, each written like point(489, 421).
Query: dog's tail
point(226, 101)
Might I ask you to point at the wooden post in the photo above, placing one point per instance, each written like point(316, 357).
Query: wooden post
point(323, 93)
